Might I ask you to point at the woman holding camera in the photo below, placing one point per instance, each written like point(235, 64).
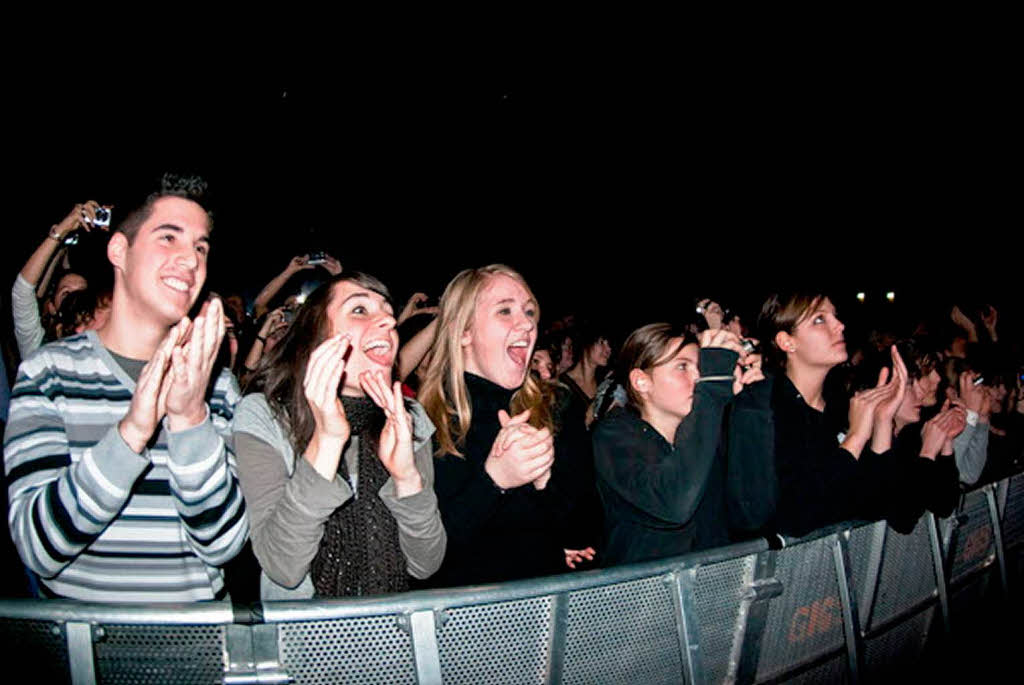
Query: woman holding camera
point(833, 467)
point(336, 469)
point(506, 483)
point(662, 486)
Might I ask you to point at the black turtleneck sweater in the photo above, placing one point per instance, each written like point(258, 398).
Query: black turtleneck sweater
point(495, 536)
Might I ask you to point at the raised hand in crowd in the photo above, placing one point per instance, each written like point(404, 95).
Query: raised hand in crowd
point(938, 433)
point(885, 413)
point(414, 307)
point(974, 396)
point(748, 368)
point(964, 322)
point(864, 406)
point(712, 311)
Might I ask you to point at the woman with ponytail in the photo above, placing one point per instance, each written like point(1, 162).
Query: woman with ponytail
point(507, 486)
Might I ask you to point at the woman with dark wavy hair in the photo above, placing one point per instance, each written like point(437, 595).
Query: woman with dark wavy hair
point(336, 468)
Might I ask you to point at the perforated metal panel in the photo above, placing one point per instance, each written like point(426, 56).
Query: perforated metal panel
point(623, 633)
point(1013, 514)
point(806, 622)
point(357, 650)
point(496, 643)
point(898, 648)
point(165, 655)
point(831, 672)
point(907, 577)
point(975, 543)
point(42, 644)
point(720, 589)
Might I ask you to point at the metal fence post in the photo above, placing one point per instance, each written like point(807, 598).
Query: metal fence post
point(851, 622)
point(80, 654)
point(684, 582)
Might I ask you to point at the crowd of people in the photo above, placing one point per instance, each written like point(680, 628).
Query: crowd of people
point(166, 443)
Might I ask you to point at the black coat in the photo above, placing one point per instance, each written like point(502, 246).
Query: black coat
point(663, 499)
point(820, 483)
point(495, 535)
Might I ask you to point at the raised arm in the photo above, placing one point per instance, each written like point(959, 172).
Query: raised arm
point(413, 352)
point(272, 288)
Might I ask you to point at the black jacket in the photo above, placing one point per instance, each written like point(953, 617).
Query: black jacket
point(496, 536)
point(651, 490)
point(820, 483)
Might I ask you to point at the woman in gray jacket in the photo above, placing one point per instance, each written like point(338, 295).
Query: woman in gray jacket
point(335, 465)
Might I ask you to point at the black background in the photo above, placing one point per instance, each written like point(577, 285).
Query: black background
point(622, 181)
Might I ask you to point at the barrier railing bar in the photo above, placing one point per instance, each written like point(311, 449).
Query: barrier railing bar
point(938, 563)
point(80, 654)
point(997, 535)
point(419, 600)
point(556, 647)
point(879, 535)
point(424, 648)
point(851, 623)
point(684, 581)
point(199, 613)
point(753, 618)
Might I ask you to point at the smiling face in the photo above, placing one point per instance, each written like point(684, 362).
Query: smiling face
point(666, 388)
point(367, 317)
point(164, 268)
point(500, 338)
point(817, 339)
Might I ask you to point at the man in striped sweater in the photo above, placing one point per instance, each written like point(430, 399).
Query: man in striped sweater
point(122, 486)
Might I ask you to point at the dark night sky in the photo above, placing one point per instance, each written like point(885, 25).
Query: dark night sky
point(622, 187)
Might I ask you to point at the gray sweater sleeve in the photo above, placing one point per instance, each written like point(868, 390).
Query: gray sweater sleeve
point(286, 512)
point(971, 451)
point(28, 328)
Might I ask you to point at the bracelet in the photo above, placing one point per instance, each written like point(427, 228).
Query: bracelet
point(261, 339)
point(53, 235)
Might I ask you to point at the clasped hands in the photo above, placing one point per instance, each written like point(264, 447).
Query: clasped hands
point(174, 382)
point(520, 453)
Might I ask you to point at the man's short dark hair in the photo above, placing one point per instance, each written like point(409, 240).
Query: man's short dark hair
point(193, 188)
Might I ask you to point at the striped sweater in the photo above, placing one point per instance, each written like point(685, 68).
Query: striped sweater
point(95, 520)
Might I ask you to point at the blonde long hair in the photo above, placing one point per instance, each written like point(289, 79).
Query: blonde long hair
point(443, 393)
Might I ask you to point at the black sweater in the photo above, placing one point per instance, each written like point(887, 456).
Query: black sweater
point(495, 536)
point(820, 483)
point(651, 490)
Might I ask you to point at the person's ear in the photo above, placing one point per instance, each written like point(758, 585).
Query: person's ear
point(467, 338)
point(785, 341)
point(639, 381)
point(117, 250)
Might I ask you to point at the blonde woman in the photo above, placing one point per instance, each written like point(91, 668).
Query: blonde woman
point(507, 486)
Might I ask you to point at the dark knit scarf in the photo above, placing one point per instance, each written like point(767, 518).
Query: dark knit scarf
point(359, 553)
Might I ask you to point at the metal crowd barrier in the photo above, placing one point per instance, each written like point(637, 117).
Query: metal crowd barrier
point(854, 603)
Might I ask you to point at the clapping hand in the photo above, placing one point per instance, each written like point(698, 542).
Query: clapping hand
point(191, 366)
point(395, 445)
point(520, 453)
